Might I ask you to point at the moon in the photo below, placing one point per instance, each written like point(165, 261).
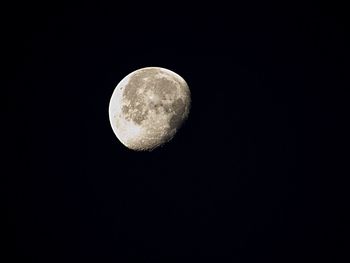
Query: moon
point(148, 107)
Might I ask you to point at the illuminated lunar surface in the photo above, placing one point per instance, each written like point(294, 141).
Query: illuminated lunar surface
point(148, 107)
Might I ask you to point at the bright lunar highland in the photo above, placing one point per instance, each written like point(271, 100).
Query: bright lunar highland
point(148, 107)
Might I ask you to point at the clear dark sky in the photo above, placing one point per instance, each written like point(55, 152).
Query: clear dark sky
point(243, 178)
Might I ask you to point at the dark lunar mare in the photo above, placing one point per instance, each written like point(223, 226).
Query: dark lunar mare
point(132, 111)
point(137, 110)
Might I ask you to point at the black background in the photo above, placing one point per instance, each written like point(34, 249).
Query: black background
point(241, 180)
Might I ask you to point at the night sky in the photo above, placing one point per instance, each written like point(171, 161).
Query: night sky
point(243, 178)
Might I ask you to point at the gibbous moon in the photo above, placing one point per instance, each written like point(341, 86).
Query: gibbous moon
point(148, 107)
